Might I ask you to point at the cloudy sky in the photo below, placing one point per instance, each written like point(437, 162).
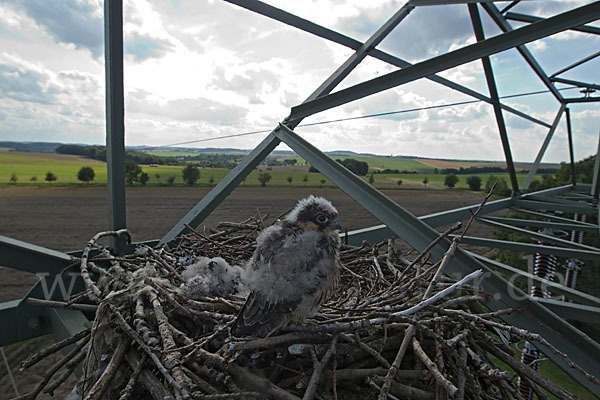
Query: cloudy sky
point(196, 70)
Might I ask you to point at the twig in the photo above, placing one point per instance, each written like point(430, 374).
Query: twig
point(534, 337)
point(172, 359)
point(61, 304)
point(135, 337)
point(128, 390)
point(439, 377)
point(164, 264)
point(54, 368)
point(95, 293)
point(529, 373)
point(102, 384)
point(318, 369)
point(439, 295)
point(69, 368)
point(34, 359)
point(430, 246)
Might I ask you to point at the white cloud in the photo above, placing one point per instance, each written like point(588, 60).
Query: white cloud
point(203, 69)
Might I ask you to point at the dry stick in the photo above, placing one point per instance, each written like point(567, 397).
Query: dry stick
point(275, 341)
point(366, 348)
point(69, 368)
point(102, 384)
point(178, 307)
point(462, 367)
point(353, 374)
point(532, 337)
point(441, 294)
point(53, 369)
point(141, 326)
point(376, 387)
point(61, 304)
point(311, 389)
point(389, 259)
point(202, 342)
point(456, 339)
point(445, 260)
point(529, 373)
point(406, 391)
point(128, 390)
point(439, 377)
point(83, 266)
point(256, 382)
point(172, 359)
point(240, 395)
point(431, 245)
point(378, 267)
point(164, 264)
point(34, 359)
point(147, 379)
point(135, 337)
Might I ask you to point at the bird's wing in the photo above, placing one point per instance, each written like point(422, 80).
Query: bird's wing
point(260, 317)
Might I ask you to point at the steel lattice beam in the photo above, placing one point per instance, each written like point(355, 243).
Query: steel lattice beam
point(532, 248)
point(115, 120)
point(535, 66)
point(556, 288)
point(543, 148)
point(452, 59)
point(590, 228)
point(569, 67)
point(576, 83)
point(529, 18)
point(491, 83)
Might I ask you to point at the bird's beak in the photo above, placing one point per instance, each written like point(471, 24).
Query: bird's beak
point(335, 224)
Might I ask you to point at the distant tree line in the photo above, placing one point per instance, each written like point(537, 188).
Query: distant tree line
point(360, 168)
point(395, 171)
point(488, 170)
point(210, 160)
point(584, 173)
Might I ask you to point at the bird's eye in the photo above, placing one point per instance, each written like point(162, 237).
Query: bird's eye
point(321, 219)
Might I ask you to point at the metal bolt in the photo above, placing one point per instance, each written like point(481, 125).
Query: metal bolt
point(34, 323)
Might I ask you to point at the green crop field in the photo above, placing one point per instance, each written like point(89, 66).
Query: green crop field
point(436, 180)
point(174, 153)
point(28, 165)
point(65, 167)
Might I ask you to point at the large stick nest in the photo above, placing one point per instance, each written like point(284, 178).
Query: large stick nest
point(150, 340)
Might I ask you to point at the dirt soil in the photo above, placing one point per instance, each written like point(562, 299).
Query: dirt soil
point(65, 218)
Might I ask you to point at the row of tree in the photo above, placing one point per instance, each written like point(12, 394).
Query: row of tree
point(211, 160)
point(50, 177)
point(360, 168)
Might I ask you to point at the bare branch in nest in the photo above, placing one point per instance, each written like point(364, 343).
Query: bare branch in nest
point(439, 377)
point(318, 369)
point(128, 390)
point(34, 359)
point(54, 369)
point(98, 389)
point(124, 326)
point(95, 294)
point(61, 304)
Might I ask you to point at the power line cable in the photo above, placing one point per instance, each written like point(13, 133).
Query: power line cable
point(409, 110)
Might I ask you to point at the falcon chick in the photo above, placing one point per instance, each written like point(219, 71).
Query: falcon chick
point(212, 277)
point(294, 268)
